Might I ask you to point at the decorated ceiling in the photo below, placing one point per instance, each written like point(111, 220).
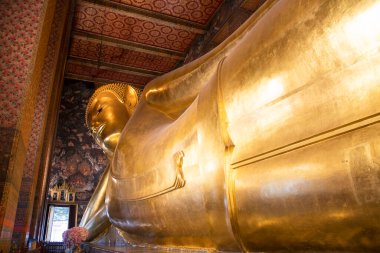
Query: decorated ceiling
point(134, 41)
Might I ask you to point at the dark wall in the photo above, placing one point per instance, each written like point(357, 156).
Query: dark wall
point(76, 158)
point(230, 16)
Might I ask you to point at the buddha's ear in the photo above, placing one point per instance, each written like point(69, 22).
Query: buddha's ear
point(131, 98)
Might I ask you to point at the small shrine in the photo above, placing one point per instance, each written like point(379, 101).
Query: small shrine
point(62, 193)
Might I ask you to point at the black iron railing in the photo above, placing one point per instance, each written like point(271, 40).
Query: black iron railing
point(53, 247)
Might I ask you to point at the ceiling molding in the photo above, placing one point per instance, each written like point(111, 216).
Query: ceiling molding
point(98, 80)
point(150, 15)
point(113, 67)
point(135, 46)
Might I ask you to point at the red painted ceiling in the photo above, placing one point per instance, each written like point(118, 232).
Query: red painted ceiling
point(134, 41)
point(194, 10)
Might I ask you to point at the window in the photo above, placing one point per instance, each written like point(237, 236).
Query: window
point(57, 223)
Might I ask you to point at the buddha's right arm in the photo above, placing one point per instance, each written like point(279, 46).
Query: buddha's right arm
point(95, 214)
point(97, 224)
point(173, 92)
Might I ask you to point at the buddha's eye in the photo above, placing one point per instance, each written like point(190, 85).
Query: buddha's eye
point(100, 109)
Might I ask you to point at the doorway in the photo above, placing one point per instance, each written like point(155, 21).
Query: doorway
point(60, 217)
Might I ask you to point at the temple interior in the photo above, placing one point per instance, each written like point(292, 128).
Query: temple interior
point(197, 125)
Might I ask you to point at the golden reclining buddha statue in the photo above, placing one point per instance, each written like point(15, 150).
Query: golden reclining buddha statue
point(269, 142)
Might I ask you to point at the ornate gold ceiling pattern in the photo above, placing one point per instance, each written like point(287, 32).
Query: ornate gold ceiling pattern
point(83, 48)
point(134, 40)
point(105, 21)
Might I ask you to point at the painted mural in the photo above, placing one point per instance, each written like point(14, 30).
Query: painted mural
point(77, 159)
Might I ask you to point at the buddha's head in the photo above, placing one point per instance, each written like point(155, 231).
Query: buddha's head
point(108, 111)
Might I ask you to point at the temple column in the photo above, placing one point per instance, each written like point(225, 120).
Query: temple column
point(24, 37)
point(49, 89)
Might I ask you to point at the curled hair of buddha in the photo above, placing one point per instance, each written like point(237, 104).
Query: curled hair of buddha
point(125, 93)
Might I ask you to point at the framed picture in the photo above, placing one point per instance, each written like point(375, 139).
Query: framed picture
point(71, 196)
point(55, 196)
point(62, 196)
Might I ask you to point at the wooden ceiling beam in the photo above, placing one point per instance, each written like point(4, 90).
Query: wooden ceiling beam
point(152, 16)
point(135, 46)
point(113, 67)
point(98, 80)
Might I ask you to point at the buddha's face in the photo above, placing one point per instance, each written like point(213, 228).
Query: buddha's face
point(107, 117)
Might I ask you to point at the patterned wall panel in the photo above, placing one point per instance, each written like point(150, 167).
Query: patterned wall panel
point(25, 203)
point(76, 157)
point(198, 11)
point(114, 23)
point(95, 50)
point(20, 30)
point(94, 72)
point(19, 22)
